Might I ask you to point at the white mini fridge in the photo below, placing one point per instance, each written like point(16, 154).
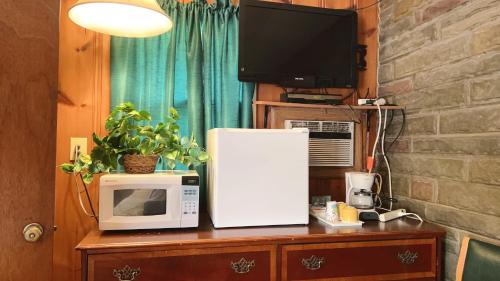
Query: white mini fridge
point(258, 177)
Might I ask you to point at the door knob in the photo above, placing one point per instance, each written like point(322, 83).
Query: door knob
point(32, 232)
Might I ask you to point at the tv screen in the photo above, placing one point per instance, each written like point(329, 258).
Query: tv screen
point(297, 46)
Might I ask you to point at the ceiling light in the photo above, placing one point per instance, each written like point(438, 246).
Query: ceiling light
point(126, 18)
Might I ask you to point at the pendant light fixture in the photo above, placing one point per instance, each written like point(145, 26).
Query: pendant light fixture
point(125, 18)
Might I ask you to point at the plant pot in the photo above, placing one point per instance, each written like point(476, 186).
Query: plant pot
point(140, 164)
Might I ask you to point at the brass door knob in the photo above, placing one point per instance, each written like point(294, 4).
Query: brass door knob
point(32, 232)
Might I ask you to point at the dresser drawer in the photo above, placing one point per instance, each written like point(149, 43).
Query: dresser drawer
point(377, 260)
point(229, 263)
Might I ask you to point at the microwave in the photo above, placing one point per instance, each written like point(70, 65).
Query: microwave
point(167, 199)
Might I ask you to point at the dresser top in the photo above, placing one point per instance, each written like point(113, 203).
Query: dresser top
point(206, 235)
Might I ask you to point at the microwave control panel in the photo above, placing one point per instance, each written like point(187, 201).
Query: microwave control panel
point(190, 198)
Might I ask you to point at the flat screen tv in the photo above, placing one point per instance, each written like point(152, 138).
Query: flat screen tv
point(297, 46)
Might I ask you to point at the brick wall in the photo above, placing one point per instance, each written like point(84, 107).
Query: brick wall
point(441, 59)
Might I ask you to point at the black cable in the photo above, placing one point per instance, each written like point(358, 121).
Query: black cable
point(367, 93)
point(353, 115)
point(90, 200)
point(349, 95)
point(401, 130)
point(366, 7)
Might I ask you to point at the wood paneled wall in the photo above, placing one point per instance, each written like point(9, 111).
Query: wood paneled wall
point(83, 104)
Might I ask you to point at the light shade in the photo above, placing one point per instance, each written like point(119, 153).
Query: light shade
point(126, 18)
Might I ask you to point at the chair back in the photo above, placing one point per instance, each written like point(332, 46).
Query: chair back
point(478, 261)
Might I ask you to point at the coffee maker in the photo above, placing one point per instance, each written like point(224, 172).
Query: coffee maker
point(358, 186)
point(359, 194)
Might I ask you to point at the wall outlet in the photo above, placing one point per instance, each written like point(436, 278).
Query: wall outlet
point(77, 146)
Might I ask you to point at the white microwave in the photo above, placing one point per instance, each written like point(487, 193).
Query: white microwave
point(149, 201)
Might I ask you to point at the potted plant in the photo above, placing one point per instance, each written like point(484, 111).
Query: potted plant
point(135, 143)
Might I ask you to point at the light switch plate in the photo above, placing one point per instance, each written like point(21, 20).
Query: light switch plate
point(74, 142)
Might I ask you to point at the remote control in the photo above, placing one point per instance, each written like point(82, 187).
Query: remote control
point(392, 215)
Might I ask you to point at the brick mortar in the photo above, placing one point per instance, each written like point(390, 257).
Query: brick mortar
point(467, 167)
point(472, 107)
point(452, 136)
point(433, 156)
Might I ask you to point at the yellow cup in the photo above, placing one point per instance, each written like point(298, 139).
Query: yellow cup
point(349, 214)
point(341, 206)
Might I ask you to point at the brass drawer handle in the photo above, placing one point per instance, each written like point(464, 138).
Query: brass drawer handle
point(407, 257)
point(313, 263)
point(127, 273)
point(242, 266)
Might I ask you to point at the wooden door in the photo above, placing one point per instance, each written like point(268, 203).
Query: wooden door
point(28, 91)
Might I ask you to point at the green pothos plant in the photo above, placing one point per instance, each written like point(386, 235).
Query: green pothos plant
point(129, 131)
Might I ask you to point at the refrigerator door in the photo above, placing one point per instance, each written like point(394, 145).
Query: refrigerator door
point(258, 177)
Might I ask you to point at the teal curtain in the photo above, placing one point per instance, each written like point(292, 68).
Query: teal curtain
point(193, 68)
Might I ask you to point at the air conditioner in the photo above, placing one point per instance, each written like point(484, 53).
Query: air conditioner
point(331, 143)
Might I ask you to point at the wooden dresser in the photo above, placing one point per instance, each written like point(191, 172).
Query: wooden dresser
point(402, 249)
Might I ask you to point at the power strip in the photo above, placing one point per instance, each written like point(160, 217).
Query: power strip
point(366, 101)
point(392, 215)
point(379, 101)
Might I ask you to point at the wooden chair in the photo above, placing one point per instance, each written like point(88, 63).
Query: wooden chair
point(478, 261)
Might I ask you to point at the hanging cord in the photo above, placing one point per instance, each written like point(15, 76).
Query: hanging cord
point(378, 183)
point(350, 95)
point(366, 7)
point(92, 213)
point(382, 145)
point(377, 138)
point(401, 130)
point(367, 93)
point(353, 115)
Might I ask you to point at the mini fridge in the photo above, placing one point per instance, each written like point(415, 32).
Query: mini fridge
point(258, 177)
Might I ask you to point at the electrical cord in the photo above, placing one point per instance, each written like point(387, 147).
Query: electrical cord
point(401, 130)
point(353, 115)
point(367, 93)
point(378, 136)
point(92, 213)
point(87, 213)
point(386, 160)
point(413, 216)
point(378, 183)
point(349, 95)
point(366, 7)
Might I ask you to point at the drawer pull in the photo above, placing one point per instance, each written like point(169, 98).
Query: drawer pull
point(313, 263)
point(127, 273)
point(407, 257)
point(242, 266)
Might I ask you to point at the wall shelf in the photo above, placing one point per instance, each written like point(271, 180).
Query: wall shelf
point(326, 106)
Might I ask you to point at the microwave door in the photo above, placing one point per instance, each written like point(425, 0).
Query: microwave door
point(131, 206)
point(173, 216)
point(152, 207)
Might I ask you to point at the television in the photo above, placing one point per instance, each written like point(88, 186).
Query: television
point(297, 46)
